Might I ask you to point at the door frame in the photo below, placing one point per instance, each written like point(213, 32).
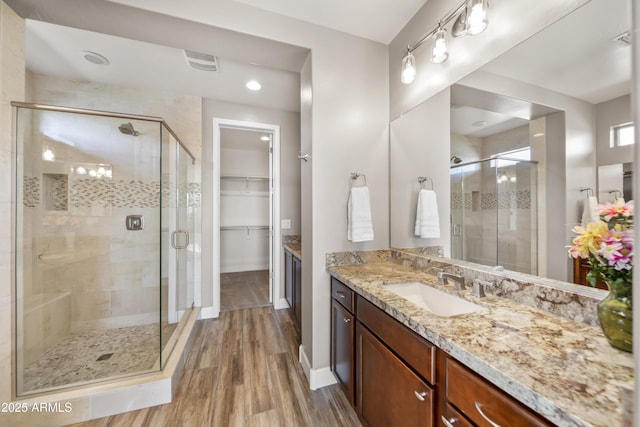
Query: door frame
point(274, 182)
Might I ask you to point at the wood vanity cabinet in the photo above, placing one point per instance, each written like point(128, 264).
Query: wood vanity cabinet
point(393, 386)
point(342, 338)
point(293, 285)
point(468, 395)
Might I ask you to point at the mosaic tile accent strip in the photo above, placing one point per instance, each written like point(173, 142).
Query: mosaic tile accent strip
point(490, 201)
point(30, 191)
point(88, 192)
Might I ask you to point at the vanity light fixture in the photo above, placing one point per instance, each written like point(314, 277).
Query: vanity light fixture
point(408, 68)
point(476, 17)
point(471, 19)
point(48, 154)
point(440, 50)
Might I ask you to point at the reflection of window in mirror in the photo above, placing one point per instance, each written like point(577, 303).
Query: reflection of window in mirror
point(622, 135)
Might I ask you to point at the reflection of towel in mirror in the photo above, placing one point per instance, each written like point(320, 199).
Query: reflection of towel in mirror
point(589, 212)
point(427, 219)
point(359, 223)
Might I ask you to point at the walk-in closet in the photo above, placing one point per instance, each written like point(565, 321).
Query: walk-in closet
point(244, 218)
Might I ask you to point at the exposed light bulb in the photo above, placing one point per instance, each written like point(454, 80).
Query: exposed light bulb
point(109, 173)
point(92, 173)
point(101, 171)
point(408, 74)
point(440, 51)
point(513, 179)
point(48, 155)
point(477, 17)
point(81, 171)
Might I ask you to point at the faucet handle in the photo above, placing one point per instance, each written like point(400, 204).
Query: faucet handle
point(477, 289)
point(442, 279)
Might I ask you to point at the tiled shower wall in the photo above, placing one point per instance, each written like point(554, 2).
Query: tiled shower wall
point(81, 247)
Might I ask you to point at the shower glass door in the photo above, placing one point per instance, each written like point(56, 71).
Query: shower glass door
point(104, 220)
point(179, 199)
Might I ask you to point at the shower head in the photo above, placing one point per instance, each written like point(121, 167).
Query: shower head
point(455, 159)
point(127, 129)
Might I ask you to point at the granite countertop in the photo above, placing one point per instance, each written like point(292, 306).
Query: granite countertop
point(562, 369)
point(295, 248)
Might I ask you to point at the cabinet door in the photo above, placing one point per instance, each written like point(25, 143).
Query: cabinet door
point(389, 393)
point(342, 346)
point(297, 291)
point(288, 278)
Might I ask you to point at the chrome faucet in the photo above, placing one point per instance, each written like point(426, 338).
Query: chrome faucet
point(458, 280)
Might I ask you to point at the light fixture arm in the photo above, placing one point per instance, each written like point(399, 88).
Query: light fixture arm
point(443, 22)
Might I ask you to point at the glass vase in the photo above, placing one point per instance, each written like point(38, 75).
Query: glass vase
point(616, 315)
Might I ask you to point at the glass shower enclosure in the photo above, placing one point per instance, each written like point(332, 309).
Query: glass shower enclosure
point(494, 208)
point(104, 257)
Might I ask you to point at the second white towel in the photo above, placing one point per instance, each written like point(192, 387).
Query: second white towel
point(589, 212)
point(427, 219)
point(359, 223)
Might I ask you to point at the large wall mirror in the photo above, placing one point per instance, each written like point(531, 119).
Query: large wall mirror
point(555, 111)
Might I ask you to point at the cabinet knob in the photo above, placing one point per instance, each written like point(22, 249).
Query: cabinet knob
point(346, 320)
point(420, 395)
point(489, 420)
point(449, 422)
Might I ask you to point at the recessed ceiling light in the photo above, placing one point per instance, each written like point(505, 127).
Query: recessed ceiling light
point(479, 123)
point(95, 58)
point(254, 85)
point(264, 138)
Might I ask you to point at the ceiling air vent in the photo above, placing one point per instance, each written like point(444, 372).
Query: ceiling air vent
point(201, 61)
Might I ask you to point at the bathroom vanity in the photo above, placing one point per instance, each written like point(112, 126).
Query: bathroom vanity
point(293, 277)
point(500, 362)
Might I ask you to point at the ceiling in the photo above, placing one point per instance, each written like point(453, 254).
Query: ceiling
point(378, 20)
point(57, 50)
point(243, 139)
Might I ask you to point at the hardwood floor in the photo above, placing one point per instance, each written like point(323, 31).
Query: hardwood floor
point(244, 289)
point(243, 370)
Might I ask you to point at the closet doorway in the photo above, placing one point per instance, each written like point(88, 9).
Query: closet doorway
point(246, 219)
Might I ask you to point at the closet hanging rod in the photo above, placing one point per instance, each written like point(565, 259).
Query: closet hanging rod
point(245, 227)
point(245, 177)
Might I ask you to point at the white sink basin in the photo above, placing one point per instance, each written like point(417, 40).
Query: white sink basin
point(436, 301)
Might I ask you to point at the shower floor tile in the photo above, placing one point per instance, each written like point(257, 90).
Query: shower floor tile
point(92, 355)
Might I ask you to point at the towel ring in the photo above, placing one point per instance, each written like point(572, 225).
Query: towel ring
point(589, 191)
point(355, 176)
point(422, 180)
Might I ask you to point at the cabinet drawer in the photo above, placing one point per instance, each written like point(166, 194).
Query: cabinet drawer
point(411, 347)
point(343, 294)
point(453, 418)
point(483, 403)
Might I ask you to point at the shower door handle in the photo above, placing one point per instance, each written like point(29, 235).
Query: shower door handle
point(173, 239)
point(457, 230)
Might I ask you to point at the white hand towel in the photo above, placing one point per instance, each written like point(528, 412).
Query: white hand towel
point(359, 223)
point(589, 212)
point(427, 219)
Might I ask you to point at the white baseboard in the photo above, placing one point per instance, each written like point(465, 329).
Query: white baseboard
point(318, 378)
point(209, 313)
point(282, 303)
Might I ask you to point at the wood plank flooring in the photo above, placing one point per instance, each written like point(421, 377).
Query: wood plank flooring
point(244, 289)
point(243, 370)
